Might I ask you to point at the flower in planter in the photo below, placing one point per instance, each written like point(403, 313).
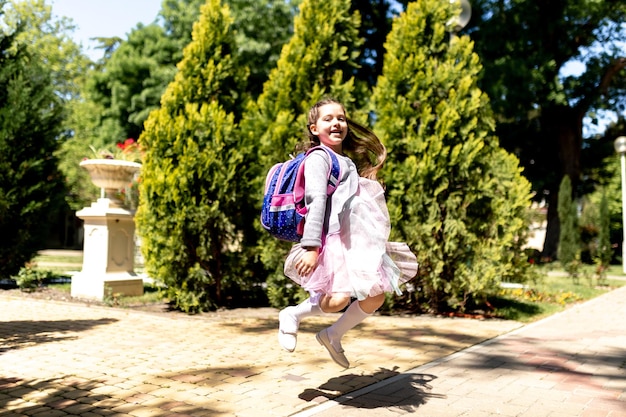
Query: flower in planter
point(125, 151)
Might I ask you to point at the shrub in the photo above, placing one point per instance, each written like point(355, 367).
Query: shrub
point(569, 238)
point(29, 279)
point(194, 209)
point(454, 195)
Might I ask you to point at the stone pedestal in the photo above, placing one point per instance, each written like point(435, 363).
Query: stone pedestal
point(109, 253)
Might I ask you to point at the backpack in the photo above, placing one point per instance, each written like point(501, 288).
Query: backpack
point(283, 211)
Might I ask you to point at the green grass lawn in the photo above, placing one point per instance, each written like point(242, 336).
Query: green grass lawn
point(77, 260)
point(552, 293)
point(45, 263)
point(66, 263)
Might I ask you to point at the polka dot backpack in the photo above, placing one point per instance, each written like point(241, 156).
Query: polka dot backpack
point(283, 211)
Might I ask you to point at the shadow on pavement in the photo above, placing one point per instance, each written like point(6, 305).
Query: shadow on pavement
point(407, 392)
point(18, 334)
point(76, 396)
point(341, 385)
point(531, 354)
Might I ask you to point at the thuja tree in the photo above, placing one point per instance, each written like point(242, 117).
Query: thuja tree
point(193, 182)
point(604, 252)
point(454, 196)
point(317, 61)
point(569, 237)
point(31, 187)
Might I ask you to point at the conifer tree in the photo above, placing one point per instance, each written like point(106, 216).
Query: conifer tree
point(454, 196)
point(31, 187)
point(316, 62)
point(194, 177)
point(604, 252)
point(569, 236)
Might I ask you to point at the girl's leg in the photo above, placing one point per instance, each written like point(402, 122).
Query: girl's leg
point(371, 304)
point(332, 303)
point(289, 320)
point(358, 311)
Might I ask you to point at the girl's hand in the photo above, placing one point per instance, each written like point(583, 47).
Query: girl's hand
point(307, 262)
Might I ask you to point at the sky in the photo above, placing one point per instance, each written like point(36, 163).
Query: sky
point(104, 18)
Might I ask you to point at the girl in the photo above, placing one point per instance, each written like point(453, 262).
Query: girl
point(344, 252)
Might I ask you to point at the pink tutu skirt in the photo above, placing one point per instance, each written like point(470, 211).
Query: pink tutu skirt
point(358, 260)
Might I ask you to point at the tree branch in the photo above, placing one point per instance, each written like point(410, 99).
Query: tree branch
point(610, 73)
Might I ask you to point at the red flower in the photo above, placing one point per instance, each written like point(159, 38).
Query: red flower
point(127, 145)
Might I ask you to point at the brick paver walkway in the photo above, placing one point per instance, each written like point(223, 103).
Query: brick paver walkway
point(59, 359)
point(571, 364)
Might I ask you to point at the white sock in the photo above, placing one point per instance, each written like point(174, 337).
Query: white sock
point(349, 319)
point(290, 320)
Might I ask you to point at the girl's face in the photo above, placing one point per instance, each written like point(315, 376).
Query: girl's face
point(331, 127)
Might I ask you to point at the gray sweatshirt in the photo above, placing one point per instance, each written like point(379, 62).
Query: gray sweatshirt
point(323, 213)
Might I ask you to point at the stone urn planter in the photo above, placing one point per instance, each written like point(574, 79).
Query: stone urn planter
point(109, 244)
point(111, 175)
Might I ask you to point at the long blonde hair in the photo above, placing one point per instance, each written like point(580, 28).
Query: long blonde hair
point(361, 144)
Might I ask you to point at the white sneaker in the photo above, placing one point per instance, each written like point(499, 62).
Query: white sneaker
point(287, 329)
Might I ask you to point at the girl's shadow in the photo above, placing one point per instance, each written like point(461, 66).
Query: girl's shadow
point(405, 391)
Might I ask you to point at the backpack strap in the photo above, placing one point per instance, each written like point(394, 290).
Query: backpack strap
point(334, 175)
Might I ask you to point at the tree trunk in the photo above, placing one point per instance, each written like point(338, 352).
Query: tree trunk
point(564, 126)
point(551, 242)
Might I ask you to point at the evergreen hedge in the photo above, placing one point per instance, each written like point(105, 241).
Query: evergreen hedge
point(195, 206)
point(31, 187)
point(316, 62)
point(454, 195)
point(569, 235)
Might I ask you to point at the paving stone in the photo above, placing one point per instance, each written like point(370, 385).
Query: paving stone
point(84, 360)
